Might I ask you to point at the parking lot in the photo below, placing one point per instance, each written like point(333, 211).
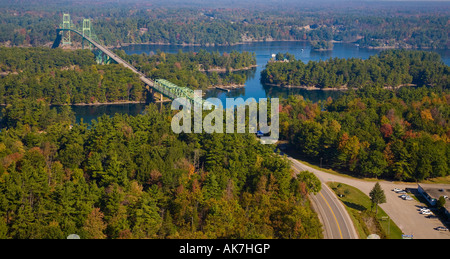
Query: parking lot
point(410, 215)
point(405, 213)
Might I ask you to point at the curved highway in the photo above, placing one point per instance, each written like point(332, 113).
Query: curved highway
point(405, 214)
point(334, 217)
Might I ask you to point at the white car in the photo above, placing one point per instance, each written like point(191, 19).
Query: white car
point(396, 189)
point(405, 197)
point(427, 212)
point(441, 228)
point(408, 198)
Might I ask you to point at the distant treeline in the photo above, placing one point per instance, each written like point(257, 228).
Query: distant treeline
point(390, 68)
point(413, 26)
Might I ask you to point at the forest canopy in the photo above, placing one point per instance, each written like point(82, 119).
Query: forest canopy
point(73, 77)
point(132, 177)
point(373, 132)
point(123, 177)
point(389, 68)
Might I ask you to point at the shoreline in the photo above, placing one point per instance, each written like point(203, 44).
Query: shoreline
point(225, 87)
point(224, 70)
point(200, 45)
point(342, 88)
point(267, 40)
point(121, 45)
point(312, 88)
point(92, 104)
point(104, 103)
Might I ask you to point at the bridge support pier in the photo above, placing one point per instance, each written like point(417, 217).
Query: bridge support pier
point(155, 96)
point(158, 100)
point(101, 58)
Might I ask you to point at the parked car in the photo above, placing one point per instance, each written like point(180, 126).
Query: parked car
point(396, 189)
point(427, 212)
point(441, 228)
point(408, 198)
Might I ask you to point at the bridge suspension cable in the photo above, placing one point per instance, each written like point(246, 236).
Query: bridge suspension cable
point(105, 56)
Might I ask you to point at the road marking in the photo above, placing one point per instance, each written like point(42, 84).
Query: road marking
point(300, 168)
point(340, 233)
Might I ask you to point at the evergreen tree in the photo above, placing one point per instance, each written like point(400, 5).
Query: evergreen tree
point(377, 196)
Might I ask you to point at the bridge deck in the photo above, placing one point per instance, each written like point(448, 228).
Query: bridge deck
point(162, 86)
point(170, 92)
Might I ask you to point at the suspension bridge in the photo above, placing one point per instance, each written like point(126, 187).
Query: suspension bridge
point(105, 56)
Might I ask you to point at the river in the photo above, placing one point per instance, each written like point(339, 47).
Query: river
point(253, 87)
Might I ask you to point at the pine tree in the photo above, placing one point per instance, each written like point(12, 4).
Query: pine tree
point(377, 196)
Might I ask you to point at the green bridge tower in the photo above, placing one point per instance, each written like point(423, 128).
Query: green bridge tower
point(67, 25)
point(87, 32)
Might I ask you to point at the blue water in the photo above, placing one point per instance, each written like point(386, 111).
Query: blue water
point(263, 51)
point(253, 87)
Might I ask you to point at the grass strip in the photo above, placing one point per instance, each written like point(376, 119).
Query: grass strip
point(363, 215)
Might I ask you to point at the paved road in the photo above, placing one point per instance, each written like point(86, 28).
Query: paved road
point(404, 213)
point(335, 219)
